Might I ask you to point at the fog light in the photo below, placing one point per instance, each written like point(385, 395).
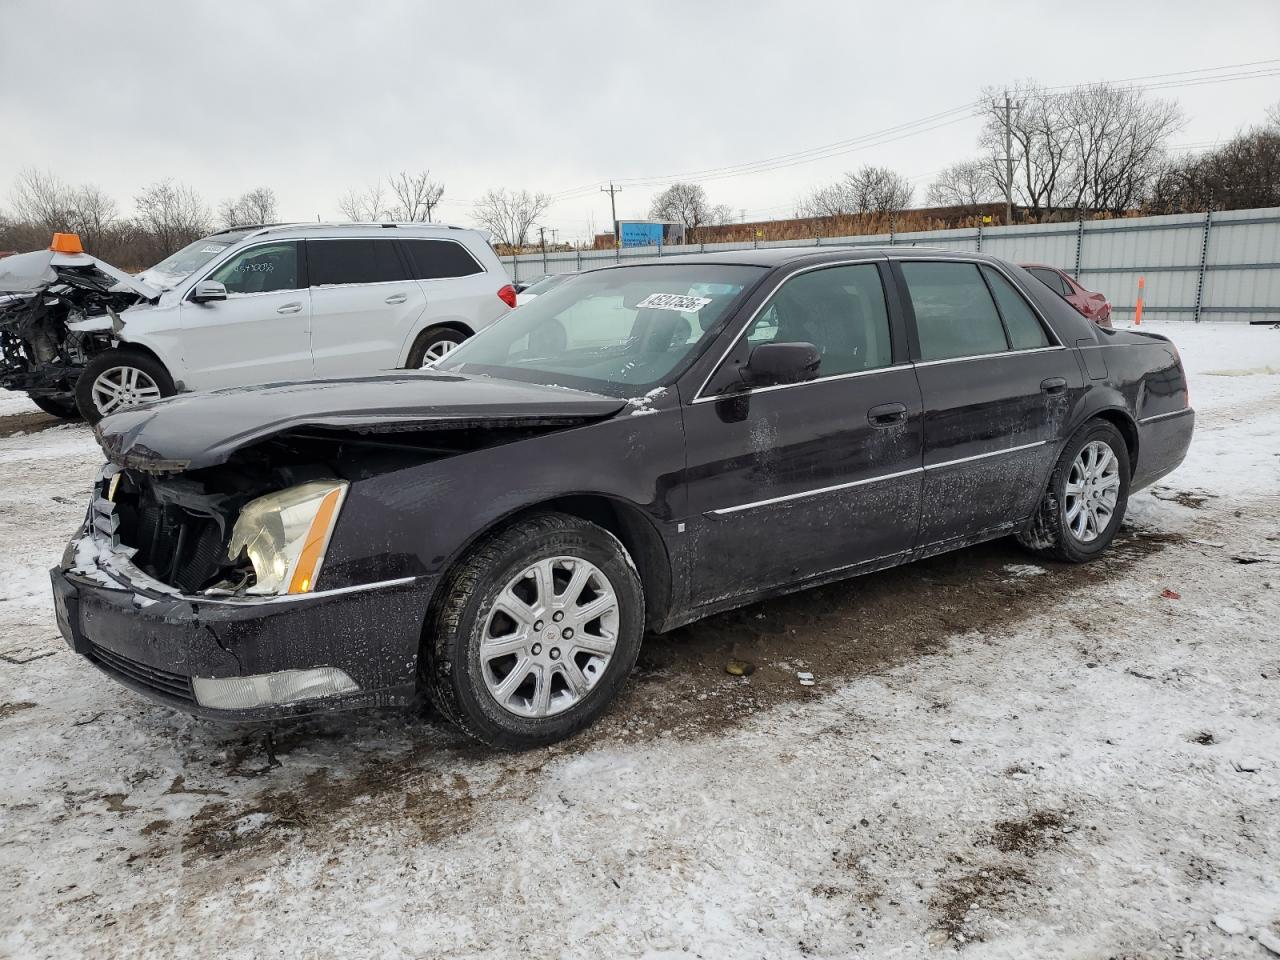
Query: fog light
point(269, 689)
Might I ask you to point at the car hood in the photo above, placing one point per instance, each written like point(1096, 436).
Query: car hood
point(41, 269)
point(192, 431)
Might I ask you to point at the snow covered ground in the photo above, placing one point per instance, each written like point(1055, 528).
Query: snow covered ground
point(1000, 758)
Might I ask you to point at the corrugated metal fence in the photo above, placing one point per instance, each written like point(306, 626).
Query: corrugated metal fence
point(1216, 266)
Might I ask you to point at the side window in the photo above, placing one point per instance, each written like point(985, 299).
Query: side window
point(955, 315)
point(439, 259)
point(353, 261)
point(1024, 328)
point(261, 269)
point(1053, 280)
point(840, 310)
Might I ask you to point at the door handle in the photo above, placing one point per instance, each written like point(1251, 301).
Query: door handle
point(887, 414)
point(397, 298)
point(1053, 385)
point(289, 308)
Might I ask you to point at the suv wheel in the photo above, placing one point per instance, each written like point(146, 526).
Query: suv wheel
point(540, 625)
point(118, 379)
point(1088, 492)
point(432, 345)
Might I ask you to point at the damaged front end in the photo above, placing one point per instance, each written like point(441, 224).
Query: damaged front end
point(49, 304)
point(232, 562)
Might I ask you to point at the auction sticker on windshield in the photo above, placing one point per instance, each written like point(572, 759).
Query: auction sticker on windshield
point(673, 301)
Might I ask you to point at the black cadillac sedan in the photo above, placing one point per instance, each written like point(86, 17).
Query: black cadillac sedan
point(637, 448)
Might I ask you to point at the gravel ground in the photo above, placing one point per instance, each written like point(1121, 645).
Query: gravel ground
point(1000, 758)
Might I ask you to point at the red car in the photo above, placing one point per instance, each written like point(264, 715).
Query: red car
point(1092, 305)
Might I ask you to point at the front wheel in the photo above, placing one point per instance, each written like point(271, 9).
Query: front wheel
point(540, 626)
point(118, 379)
point(1086, 499)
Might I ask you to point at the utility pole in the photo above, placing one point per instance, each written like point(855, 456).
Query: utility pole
point(1008, 158)
point(611, 190)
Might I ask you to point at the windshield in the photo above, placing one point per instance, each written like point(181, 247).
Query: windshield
point(191, 257)
point(611, 331)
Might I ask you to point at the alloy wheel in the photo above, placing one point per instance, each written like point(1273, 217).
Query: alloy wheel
point(118, 387)
point(437, 352)
point(1093, 487)
point(549, 636)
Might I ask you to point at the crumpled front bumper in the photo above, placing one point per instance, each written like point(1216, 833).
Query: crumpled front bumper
point(155, 640)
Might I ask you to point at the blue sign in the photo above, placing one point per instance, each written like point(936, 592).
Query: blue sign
point(640, 234)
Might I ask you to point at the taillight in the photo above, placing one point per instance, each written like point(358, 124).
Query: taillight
point(508, 295)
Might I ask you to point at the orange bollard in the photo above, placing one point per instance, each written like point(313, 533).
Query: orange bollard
point(1137, 313)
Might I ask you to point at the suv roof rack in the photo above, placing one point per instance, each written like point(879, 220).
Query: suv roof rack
point(259, 230)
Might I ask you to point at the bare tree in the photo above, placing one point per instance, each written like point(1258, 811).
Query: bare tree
point(874, 190)
point(687, 203)
point(1273, 115)
point(255, 206)
point(42, 199)
point(965, 184)
point(365, 206)
point(172, 213)
point(93, 215)
point(1242, 174)
point(416, 195)
point(509, 215)
point(1039, 134)
point(1117, 138)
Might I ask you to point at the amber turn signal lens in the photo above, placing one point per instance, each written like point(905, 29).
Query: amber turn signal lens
point(313, 550)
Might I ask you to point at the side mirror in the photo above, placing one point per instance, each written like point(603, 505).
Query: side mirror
point(775, 363)
point(207, 290)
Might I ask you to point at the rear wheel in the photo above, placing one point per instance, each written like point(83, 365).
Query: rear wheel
point(433, 345)
point(118, 379)
point(540, 626)
point(62, 407)
point(1085, 503)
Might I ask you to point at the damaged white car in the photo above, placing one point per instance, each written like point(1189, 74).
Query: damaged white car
point(249, 305)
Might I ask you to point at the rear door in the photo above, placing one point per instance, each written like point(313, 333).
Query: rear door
point(459, 292)
point(996, 388)
point(363, 304)
point(788, 483)
point(262, 332)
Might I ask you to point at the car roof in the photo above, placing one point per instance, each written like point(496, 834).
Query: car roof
point(786, 256)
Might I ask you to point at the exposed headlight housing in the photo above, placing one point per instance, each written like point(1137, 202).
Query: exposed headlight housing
point(286, 534)
point(271, 689)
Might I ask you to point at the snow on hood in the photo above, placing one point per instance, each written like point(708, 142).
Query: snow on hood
point(41, 269)
point(192, 431)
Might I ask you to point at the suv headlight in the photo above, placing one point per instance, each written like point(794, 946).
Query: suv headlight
point(286, 534)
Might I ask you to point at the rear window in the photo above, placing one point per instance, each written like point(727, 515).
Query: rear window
point(353, 261)
point(439, 259)
point(955, 315)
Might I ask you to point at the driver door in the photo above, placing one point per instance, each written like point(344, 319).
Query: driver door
point(261, 333)
point(788, 483)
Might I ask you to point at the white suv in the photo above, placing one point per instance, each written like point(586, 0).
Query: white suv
point(293, 302)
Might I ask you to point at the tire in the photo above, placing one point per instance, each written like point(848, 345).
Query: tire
point(151, 379)
point(477, 682)
point(1064, 527)
point(432, 344)
point(62, 407)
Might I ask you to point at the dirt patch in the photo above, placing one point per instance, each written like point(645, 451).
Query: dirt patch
point(1193, 501)
point(1029, 834)
point(838, 632)
point(1205, 738)
point(9, 709)
point(962, 904)
point(419, 790)
point(33, 422)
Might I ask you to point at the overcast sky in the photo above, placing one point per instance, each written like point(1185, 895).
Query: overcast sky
point(313, 98)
